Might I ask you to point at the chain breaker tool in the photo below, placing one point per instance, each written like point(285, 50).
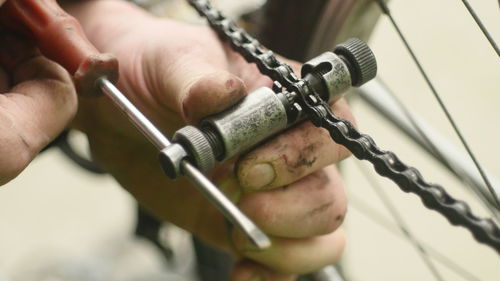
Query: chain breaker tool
point(305, 98)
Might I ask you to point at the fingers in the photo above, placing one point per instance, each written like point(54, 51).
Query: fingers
point(302, 219)
point(292, 155)
point(295, 256)
point(33, 112)
point(314, 205)
point(247, 270)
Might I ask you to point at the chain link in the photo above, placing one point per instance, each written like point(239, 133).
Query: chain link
point(362, 146)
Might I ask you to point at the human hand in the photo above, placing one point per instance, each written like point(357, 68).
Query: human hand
point(37, 100)
point(177, 73)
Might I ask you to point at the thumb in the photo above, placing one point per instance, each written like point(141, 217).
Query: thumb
point(196, 89)
point(210, 93)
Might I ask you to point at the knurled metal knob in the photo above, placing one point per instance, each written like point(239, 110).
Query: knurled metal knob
point(197, 146)
point(360, 60)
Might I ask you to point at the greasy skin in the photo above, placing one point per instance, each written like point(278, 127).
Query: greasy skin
point(37, 100)
point(178, 73)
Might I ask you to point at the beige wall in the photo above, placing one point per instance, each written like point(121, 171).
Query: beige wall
point(466, 71)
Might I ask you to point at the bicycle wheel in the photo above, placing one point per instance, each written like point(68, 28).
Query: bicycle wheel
point(461, 62)
point(447, 54)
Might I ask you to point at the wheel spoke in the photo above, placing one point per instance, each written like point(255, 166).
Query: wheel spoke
point(378, 218)
point(481, 26)
point(384, 101)
point(385, 9)
point(400, 221)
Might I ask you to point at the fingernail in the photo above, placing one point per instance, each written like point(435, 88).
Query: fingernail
point(258, 176)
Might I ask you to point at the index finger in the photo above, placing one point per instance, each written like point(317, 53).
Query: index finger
point(35, 110)
point(32, 114)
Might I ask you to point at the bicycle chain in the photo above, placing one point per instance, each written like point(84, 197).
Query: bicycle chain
point(362, 146)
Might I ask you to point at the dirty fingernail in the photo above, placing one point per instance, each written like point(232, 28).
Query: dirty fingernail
point(258, 176)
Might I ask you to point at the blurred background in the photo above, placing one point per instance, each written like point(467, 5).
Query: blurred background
point(58, 222)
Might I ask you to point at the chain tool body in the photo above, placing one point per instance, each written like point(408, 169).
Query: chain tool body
point(362, 146)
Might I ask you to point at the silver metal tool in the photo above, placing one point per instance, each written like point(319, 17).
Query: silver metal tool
point(327, 273)
point(204, 185)
point(266, 111)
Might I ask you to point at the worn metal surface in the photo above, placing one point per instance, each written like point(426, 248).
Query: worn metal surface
point(359, 59)
point(265, 112)
point(171, 158)
point(333, 74)
point(198, 148)
point(260, 115)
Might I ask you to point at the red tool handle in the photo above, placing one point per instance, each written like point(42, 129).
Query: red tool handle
point(60, 37)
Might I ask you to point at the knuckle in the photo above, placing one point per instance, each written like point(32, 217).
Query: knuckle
point(298, 149)
point(329, 219)
point(298, 162)
point(335, 219)
point(302, 151)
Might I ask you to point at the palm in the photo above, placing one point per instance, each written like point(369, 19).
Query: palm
point(148, 66)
